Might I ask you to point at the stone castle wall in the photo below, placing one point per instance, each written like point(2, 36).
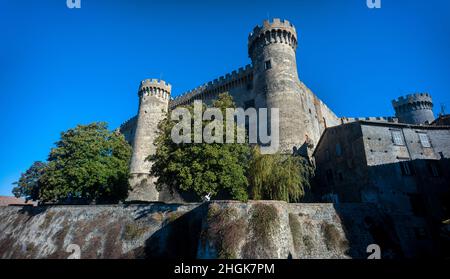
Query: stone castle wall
point(303, 116)
point(270, 82)
point(159, 230)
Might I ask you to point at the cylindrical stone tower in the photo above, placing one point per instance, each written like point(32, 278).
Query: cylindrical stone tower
point(154, 96)
point(414, 109)
point(272, 49)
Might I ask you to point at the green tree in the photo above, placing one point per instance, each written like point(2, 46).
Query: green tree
point(278, 176)
point(201, 168)
point(89, 162)
point(28, 185)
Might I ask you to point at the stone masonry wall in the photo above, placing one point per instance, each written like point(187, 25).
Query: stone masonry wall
point(222, 229)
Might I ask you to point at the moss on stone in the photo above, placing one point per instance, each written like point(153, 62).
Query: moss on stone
point(47, 220)
point(263, 223)
point(132, 231)
point(308, 243)
point(333, 238)
point(172, 216)
point(296, 232)
point(226, 230)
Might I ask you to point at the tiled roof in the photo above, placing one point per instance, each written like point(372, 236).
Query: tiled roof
point(5, 201)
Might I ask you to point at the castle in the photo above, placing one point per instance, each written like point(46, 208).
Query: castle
point(381, 181)
point(271, 81)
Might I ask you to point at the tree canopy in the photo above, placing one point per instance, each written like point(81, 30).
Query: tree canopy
point(203, 168)
point(278, 176)
point(89, 162)
point(28, 185)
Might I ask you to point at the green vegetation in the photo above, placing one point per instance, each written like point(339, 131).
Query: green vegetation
point(172, 216)
point(201, 167)
point(296, 231)
point(89, 162)
point(226, 230)
point(132, 231)
point(263, 223)
point(28, 185)
point(278, 176)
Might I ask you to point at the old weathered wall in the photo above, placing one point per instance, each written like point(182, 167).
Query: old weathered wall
point(224, 229)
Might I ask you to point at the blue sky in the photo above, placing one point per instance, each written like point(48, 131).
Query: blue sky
point(60, 67)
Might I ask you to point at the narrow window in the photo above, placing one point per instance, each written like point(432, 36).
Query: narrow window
point(338, 150)
point(267, 65)
point(433, 168)
point(406, 168)
point(424, 140)
point(397, 137)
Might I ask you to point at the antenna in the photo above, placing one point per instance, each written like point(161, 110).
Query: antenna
point(442, 109)
point(268, 16)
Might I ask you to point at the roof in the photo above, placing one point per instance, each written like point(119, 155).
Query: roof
point(5, 201)
point(442, 120)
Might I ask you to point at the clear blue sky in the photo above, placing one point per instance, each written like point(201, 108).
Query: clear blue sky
point(60, 67)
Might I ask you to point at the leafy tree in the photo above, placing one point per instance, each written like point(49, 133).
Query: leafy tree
point(201, 168)
point(89, 162)
point(278, 176)
point(28, 185)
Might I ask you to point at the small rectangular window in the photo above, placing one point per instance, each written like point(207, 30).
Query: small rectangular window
point(397, 137)
point(424, 140)
point(407, 168)
point(267, 65)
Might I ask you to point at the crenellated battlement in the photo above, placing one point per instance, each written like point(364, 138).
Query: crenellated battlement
point(411, 98)
point(275, 31)
point(155, 87)
point(129, 123)
point(413, 102)
point(389, 119)
point(236, 78)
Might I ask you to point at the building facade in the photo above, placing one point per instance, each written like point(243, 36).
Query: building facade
point(402, 169)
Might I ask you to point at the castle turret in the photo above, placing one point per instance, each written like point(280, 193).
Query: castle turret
point(272, 49)
point(414, 109)
point(154, 96)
